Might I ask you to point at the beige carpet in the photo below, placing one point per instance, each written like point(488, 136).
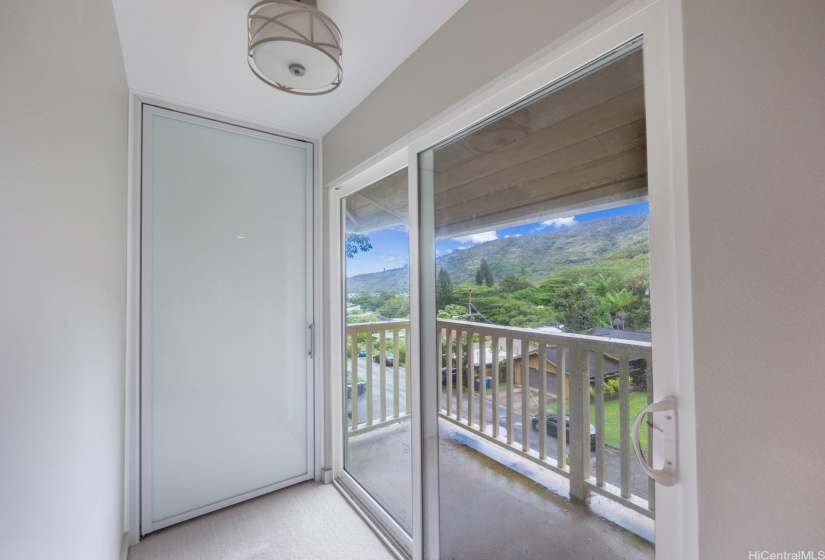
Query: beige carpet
point(307, 521)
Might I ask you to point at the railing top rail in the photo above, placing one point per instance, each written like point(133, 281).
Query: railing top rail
point(378, 326)
point(598, 343)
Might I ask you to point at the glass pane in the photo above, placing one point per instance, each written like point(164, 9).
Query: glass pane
point(228, 309)
point(378, 394)
point(541, 236)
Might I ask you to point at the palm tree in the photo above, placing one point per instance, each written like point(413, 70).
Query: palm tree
point(603, 284)
point(616, 303)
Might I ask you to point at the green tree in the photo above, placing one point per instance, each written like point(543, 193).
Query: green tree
point(356, 242)
point(453, 311)
point(479, 277)
point(577, 308)
point(512, 283)
point(485, 273)
point(443, 290)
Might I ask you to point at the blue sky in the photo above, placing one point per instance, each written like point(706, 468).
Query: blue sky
point(390, 247)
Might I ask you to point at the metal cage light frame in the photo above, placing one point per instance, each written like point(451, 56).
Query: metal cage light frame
point(294, 25)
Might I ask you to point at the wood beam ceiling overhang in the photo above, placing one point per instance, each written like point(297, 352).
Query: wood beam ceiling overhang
point(583, 145)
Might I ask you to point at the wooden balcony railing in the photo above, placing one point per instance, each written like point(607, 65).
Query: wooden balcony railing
point(389, 399)
point(473, 352)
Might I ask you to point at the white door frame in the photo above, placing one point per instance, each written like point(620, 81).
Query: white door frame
point(133, 472)
point(385, 525)
point(659, 23)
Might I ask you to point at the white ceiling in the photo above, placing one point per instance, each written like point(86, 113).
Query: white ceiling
point(195, 52)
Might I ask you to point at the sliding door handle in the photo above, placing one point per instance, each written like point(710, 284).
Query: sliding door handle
point(664, 422)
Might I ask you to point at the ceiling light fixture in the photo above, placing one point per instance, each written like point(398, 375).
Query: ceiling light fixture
point(294, 47)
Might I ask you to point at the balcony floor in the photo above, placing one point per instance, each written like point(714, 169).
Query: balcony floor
point(495, 505)
point(307, 521)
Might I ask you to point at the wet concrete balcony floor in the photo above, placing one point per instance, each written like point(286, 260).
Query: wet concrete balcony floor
point(494, 505)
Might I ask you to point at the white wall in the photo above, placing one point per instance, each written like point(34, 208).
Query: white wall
point(755, 83)
point(755, 77)
point(63, 99)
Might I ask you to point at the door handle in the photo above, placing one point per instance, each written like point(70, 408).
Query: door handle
point(666, 476)
point(311, 340)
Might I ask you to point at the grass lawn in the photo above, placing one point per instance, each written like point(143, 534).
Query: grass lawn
point(612, 432)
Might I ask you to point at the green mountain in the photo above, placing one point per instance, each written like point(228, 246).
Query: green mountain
point(538, 254)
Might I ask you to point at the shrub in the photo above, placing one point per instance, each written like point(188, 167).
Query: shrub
point(611, 387)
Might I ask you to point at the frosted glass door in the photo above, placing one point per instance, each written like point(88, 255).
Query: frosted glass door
point(225, 310)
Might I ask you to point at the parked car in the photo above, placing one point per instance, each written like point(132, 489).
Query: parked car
point(362, 353)
point(552, 422)
point(377, 359)
point(444, 375)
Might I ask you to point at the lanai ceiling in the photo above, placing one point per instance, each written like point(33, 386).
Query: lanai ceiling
point(195, 52)
point(581, 146)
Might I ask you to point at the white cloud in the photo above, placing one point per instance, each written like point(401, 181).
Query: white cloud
point(514, 235)
point(558, 223)
point(478, 237)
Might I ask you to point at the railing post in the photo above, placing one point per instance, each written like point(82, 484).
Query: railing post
point(525, 394)
point(369, 378)
point(353, 391)
point(448, 375)
point(407, 376)
point(440, 366)
point(598, 384)
point(396, 390)
point(624, 423)
point(651, 484)
point(482, 383)
point(579, 422)
point(496, 342)
point(542, 412)
point(382, 374)
point(470, 377)
point(459, 373)
point(509, 367)
point(562, 371)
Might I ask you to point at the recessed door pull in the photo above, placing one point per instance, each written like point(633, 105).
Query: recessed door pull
point(664, 422)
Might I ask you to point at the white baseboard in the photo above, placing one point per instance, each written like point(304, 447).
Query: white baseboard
point(124, 546)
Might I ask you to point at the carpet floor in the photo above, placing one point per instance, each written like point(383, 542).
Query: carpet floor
point(303, 522)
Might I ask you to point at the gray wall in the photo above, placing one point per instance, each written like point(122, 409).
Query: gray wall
point(63, 110)
point(755, 77)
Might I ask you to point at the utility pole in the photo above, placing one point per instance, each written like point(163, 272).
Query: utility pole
point(470, 306)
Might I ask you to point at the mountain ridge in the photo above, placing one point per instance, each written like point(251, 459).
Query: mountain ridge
point(539, 255)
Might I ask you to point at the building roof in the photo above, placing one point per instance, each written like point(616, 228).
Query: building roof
point(622, 335)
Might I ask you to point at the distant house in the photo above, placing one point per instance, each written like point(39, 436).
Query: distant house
point(610, 364)
point(638, 365)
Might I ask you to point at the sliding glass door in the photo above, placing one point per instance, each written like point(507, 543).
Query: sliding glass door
point(539, 218)
point(225, 310)
point(376, 386)
point(546, 298)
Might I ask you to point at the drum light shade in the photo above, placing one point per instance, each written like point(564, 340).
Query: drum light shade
point(294, 47)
